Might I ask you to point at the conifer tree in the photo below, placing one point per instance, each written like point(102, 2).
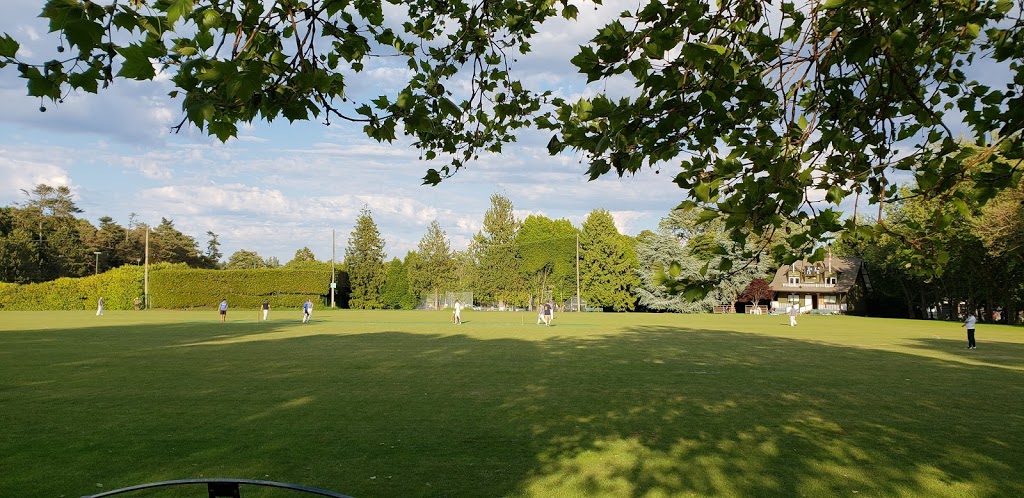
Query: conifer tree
point(607, 264)
point(364, 258)
point(500, 281)
point(434, 271)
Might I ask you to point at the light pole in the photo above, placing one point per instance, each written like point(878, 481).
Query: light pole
point(145, 277)
point(97, 253)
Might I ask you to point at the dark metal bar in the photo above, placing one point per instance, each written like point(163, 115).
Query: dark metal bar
point(216, 488)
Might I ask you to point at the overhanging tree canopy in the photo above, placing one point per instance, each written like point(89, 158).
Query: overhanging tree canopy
point(764, 112)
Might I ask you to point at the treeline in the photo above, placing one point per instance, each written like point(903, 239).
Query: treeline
point(42, 239)
point(976, 262)
point(515, 263)
point(684, 266)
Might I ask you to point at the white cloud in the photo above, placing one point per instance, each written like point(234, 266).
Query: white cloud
point(22, 171)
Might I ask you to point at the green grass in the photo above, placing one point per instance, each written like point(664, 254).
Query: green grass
point(405, 404)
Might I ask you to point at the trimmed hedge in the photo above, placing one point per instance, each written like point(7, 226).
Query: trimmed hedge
point(171, 286)
point(119, 288)
point(179, 287)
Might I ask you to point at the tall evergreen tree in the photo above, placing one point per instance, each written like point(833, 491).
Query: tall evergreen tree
point(607, 264)
point(168, 245)
point(55, 239)
point(467, 269)
point(396, 293)
point(364, 258)
point(211, 258)
point(500, 280)
point(434, 270)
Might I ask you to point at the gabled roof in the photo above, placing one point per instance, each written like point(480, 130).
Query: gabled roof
point(846, 270)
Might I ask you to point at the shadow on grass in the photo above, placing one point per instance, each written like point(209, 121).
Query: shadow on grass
point(648, 412)
point(988, 352)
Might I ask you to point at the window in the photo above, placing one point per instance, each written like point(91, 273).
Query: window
point(794, 280)
point(828, 299)
point(794, 299)
point(830, 280)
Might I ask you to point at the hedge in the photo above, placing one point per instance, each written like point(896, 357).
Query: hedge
point(171, 286)
point(119, 288)
point(177, 287)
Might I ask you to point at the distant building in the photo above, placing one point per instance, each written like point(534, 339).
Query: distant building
point(835, 285)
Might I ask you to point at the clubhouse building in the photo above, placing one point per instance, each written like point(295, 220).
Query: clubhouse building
point(835, 285)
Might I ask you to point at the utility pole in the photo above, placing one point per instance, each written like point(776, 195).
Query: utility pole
point(145, 273)
point(579, 306)
point(334, 283)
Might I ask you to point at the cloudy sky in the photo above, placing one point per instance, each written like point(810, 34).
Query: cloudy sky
point(280, 187)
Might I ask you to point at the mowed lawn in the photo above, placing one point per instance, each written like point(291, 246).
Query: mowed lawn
point(406, 404)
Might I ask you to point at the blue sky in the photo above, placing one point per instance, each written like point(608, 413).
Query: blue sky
point(280, 187)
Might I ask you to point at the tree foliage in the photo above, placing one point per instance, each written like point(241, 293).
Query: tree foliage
point(499, 277)
point(756, 108)
point(757, 291)
point(547, 251)
point(687, 266)
point(397, 293)
point(433, 272)
point(975, 268)
point(364, 259)
point(244, 259)
point(607, 262)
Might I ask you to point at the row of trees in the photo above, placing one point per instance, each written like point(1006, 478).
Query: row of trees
point(514, 263)
point(978, 254)
point(509, 263)
point(42, 239)
point(684, 266)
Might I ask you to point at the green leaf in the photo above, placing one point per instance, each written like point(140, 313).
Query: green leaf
point(86, 35)
point(178, 9)
point(695, 293)
point(570, 11)
point(706, 216)
point(432, 177)
point(972, 30)
point(41, 86)
point(137, 65)
point(702, 191)
point(834, 4)
point(85, 81)
point(860, 49)
point(8, 47)
point(223, 130)
point(212, 19)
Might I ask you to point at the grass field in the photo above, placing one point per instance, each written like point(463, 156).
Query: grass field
point(406, 404)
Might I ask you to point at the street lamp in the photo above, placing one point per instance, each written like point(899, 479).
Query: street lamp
point(97, 253)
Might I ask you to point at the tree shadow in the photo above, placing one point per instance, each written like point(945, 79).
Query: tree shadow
point(989, 351)
point(653, 411)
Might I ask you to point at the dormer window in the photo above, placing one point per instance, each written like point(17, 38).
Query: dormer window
point(794, 280)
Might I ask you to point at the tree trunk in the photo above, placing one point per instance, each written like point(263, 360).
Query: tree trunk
point(907, 298)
